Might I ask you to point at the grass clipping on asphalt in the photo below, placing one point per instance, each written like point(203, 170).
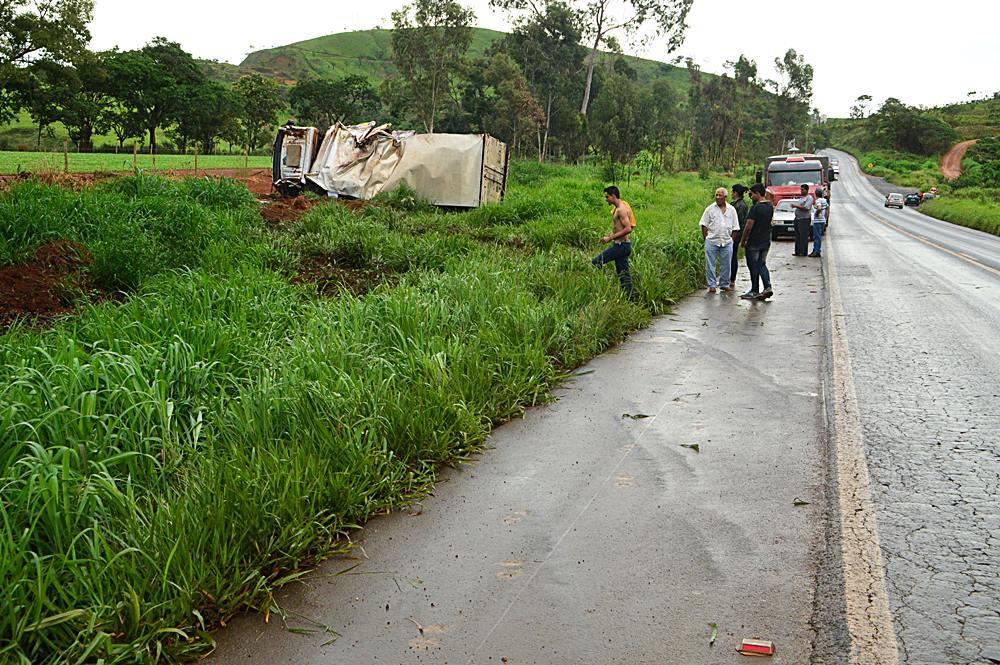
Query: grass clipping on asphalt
point(173, 454)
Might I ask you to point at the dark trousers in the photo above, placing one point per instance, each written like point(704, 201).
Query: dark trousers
point(757, 265)
point(619, 254)
point(802, 232)
point(735, 263)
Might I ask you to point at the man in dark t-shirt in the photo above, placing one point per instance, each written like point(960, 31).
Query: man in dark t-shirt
point(757, 242)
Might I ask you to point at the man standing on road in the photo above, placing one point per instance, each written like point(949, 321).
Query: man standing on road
point(820, 217)
point(757, 241)
point(803, 217)
point(623, 223)
point(741, 215)
point(719, 225)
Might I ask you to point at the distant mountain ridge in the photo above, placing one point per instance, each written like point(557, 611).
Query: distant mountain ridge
point(368, 53)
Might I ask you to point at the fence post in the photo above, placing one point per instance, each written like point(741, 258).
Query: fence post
point(65, 156)
point(135, 152)
point(195, 160)
point(246, 158)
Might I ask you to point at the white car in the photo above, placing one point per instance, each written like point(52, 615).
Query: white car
point(783, 221)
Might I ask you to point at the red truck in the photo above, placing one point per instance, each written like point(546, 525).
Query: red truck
point(783, 176)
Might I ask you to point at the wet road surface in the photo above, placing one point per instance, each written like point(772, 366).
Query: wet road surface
point(921, 305)
point(588, 536)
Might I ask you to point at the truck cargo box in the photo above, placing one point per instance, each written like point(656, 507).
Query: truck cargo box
point(454, 170)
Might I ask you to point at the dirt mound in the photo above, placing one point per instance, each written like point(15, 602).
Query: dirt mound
point(279, 211)
point(49, 285)
point(331, 279)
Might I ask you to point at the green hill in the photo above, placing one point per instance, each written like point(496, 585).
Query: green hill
point(974, 120)
point(367, 53)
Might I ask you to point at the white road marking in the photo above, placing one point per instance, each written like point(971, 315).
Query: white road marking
point(869, 622)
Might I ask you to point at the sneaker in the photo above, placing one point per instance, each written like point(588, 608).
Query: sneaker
point(766, 294)
point(711, 289)
point(814, 254)
point(750, 295)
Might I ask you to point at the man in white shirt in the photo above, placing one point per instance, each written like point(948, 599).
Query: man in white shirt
point(719, 225)
point(821, 213)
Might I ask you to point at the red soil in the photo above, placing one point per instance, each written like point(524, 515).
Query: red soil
point(47, 286)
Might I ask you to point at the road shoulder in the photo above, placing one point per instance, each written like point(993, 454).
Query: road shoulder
point(676, 482)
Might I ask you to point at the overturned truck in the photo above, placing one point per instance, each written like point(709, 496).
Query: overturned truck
point(360, 161)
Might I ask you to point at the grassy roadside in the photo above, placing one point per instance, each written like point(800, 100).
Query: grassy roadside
point(171, 458)
point(45, 162)
point(974, 213)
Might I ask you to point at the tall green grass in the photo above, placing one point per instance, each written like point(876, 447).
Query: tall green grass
point(169, 460)
point(976, 213)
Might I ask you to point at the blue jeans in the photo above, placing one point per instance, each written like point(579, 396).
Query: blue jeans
point(722, 255)
point(757, 265)
point(818, 237)
point(619, 254)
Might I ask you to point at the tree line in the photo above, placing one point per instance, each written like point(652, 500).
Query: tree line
point(556, 86)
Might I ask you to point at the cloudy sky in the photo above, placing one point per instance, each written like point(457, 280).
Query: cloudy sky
point(922, 52)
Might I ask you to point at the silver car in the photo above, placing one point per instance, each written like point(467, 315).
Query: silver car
point(894, 200)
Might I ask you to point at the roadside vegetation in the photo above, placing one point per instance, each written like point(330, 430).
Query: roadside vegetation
point(904, 146)
point(171, 455)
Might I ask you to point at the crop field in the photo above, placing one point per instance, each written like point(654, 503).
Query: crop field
point(217, 398)
point(82, 162)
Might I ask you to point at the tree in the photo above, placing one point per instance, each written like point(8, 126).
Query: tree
point(794, 91)
point(151, 82)
point(620, 121)
point(860, 108)
point(205, 113)
point(46, 85)
point(663, 114)
point(84, 104)
point(747, 85)
point(602, 19)
point(516, 112)
point(429, 42)
point(903, 127)
point(258, 101)
point(121, 120)
point(322, 102)
point(50, 30)
point(313, 102)
point(546, 45)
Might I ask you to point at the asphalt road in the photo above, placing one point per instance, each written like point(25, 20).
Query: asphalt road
point(921, 311)
point(585, 536)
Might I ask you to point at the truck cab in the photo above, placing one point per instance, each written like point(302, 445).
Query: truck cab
point(784, 175)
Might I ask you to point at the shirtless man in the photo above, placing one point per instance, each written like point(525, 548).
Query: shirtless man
point(621, 249)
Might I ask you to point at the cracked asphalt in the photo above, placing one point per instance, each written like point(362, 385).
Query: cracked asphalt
point(923, 323)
